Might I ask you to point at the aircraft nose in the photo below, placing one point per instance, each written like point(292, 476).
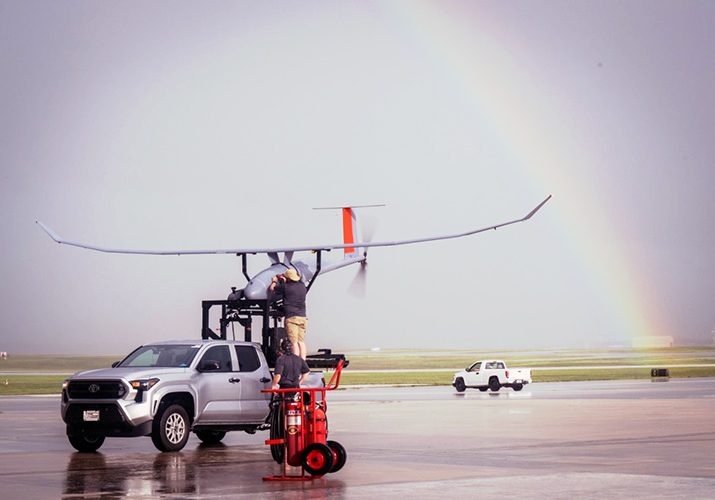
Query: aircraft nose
point(255, 290)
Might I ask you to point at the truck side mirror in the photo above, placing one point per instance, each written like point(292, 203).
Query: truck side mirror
point(114, 365)
point(209, 366)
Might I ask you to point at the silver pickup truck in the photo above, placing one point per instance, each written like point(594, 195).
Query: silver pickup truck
point(167, 390)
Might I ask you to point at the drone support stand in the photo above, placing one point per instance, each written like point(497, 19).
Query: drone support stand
point(317, 268)
point(244, 266)
point(242, 310)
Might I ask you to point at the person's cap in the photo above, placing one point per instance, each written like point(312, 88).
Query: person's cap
point(287, 346)
point(292, 274)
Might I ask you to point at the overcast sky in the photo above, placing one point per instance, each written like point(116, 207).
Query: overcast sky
point(221, 124)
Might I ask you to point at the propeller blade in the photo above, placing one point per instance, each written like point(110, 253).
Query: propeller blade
point(368, 226)
point(358, 286)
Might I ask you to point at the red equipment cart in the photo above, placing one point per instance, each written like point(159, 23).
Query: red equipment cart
point(303, 441)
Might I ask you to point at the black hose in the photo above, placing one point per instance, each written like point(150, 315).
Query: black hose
point(276, 420)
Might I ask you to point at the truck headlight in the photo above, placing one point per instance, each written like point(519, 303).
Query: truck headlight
point(143, 384)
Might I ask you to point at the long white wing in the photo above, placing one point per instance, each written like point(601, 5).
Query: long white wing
point(61, 240)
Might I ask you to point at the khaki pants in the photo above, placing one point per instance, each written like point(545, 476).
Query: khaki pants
point(295, 328)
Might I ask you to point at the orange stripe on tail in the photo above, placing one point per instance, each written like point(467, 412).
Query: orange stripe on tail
point(348, 232)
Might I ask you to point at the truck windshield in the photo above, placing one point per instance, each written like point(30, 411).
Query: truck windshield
point(177, 356)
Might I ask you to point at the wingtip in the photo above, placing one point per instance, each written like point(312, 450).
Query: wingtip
point(49, 232)
point(538, 207)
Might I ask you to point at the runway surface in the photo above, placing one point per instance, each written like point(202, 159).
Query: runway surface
point(620, 439)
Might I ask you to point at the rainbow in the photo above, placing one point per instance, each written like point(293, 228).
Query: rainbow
point(462, 40)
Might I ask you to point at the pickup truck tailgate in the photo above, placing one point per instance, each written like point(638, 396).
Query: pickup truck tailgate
point(520, 374)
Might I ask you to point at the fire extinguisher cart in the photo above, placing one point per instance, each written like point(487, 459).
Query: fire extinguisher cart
point(303, 441)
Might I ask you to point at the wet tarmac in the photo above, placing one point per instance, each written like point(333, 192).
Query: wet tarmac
point(621, 439)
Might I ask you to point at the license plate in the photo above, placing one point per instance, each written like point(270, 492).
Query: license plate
point(91, 415)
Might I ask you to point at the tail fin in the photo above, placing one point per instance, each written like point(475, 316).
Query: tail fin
point(349, 233)
point(349, 226)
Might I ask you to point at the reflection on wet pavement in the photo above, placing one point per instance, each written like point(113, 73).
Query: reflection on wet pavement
point(624, 439)
point(152, 474)
point(95, 474)
point(204, 471)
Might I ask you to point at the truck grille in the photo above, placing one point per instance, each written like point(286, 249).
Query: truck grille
point(96, 389)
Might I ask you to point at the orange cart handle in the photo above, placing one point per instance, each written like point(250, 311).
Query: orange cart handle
point(331, 386)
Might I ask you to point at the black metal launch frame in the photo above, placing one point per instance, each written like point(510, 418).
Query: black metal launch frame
point(243, 310)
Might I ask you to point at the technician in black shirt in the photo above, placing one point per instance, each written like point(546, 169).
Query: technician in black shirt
point(291, 371)
point(289, 287)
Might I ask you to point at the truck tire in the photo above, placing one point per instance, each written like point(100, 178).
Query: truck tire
point(210, 437)
point(494, 384)
point(459, 385)
point(317, 459)
point(517, 387)
point(339, 455)
point(86, 443)
point(170, 429)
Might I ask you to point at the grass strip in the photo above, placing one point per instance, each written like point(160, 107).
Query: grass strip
point(13, 385)
point(69, 364)
point(395, 378)
point(412, 360)
point(432, 362)
point(617, 374)
point(43, 384)
point(445, 378)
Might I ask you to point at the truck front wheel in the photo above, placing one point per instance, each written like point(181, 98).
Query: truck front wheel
point(494, 384)
point(459, 385)
point(86, 443)
point(170, 429)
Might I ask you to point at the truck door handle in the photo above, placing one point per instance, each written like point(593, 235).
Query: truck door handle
point(233, 380)
point(265, 380)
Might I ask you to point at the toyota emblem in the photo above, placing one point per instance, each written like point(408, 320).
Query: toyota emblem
point(93, 388)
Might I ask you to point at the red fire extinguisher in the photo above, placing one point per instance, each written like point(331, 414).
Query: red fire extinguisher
point(305, 432)
point(294, 433)
point(317, 426)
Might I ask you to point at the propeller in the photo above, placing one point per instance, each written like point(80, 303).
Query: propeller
point(358, 286)
point(368, 226)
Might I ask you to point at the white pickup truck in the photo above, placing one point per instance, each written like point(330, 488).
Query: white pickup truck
point(491, 374)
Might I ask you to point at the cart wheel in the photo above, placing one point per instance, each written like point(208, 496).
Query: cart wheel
point(339, 455)
point(317, 459)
